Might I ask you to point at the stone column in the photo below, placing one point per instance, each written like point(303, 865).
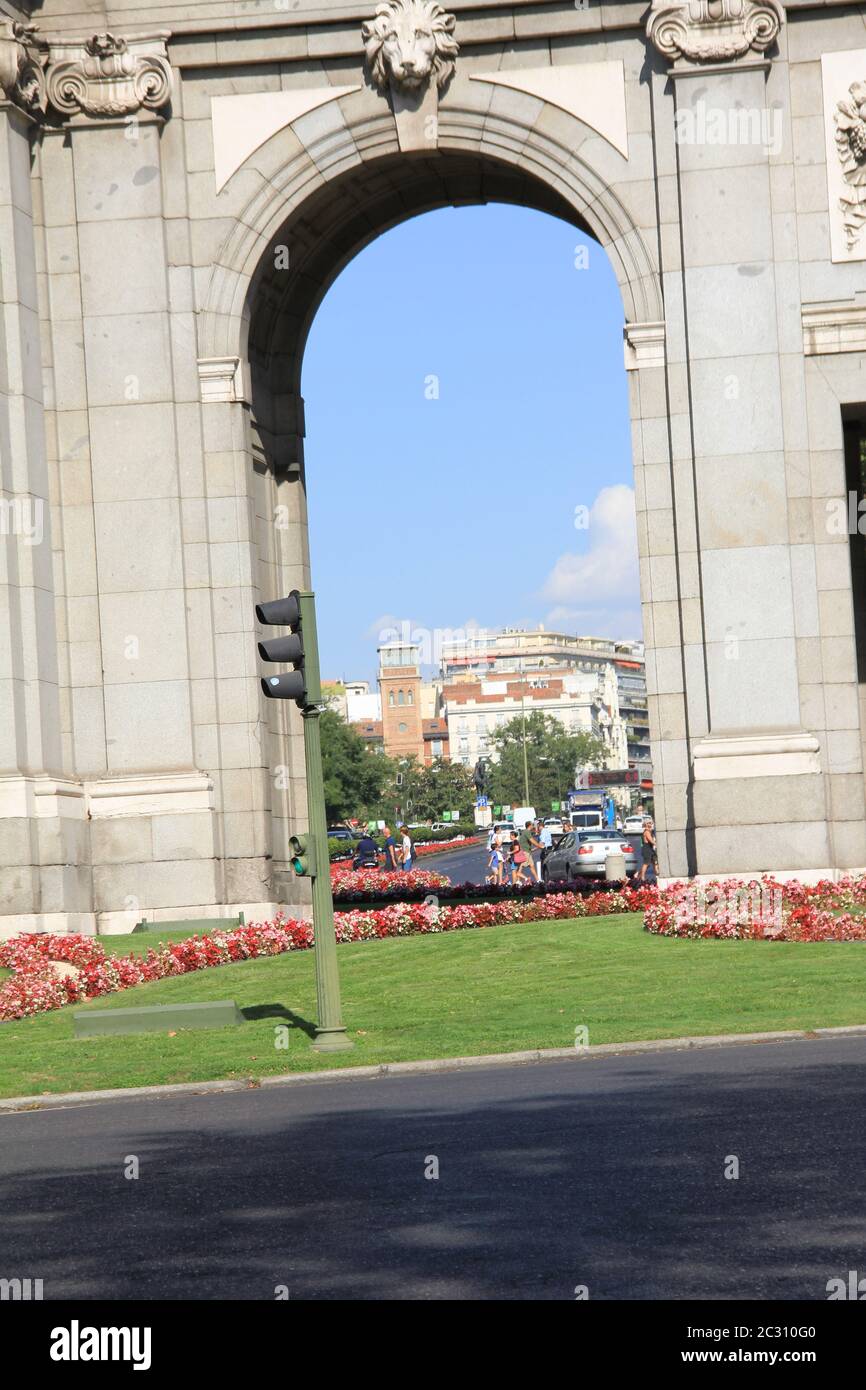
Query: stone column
point(757, 785)
point(43, 839)
point(155, 844)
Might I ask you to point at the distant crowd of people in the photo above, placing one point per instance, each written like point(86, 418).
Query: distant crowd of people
point(518, 858)
point(399, 853)
point(515, 858)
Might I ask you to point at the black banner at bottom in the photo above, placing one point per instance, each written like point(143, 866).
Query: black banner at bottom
point(205, 1338)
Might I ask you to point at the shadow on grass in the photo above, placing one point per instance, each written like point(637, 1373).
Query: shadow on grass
point(259, 1011)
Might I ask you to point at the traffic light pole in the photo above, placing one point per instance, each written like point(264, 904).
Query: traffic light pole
point(330, 1029)
point(303, 685)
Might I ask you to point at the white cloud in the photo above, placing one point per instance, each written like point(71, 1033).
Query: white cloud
point(385, 623)
point(597, 590)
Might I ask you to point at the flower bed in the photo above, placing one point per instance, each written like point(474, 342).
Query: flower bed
point(358, 884)
point(340, 857)
point(376, 887)
point(762, 909)
point(35, 988)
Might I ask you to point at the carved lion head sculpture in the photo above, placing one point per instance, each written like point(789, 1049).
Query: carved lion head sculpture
point(408, 42)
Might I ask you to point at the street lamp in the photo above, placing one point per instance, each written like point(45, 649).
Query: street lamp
point(558, 787)
point(523, 713)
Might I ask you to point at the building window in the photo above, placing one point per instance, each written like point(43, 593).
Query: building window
point(401, 728)
point(401, 699)
point(436, 748)
point(390, 697)
point(411, 698)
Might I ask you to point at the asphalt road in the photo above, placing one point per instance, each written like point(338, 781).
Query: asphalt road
point(607, 1173)
point(470, 865)
point(461, 865)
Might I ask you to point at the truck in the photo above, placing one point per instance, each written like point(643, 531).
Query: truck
point(590, 809)
point(521, 816)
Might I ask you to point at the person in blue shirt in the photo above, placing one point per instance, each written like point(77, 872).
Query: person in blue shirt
point(366, 853)
point(391, 864)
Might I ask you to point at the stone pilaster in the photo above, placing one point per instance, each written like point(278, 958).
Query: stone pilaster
point(42, 832)
point(756, 762)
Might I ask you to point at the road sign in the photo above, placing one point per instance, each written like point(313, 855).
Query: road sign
point(609, 777)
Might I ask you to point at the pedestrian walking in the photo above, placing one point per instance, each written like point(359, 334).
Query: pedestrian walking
point(405, 849)
point(391, 863)
point(529, 842)
point(495, 864)
point(648, 850)
point(518, 859)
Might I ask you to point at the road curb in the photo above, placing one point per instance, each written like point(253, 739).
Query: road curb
point(62, 1100)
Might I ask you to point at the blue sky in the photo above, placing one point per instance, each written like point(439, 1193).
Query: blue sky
point(465, 394)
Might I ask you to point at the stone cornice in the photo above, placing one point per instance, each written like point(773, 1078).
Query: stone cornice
point(700, 34)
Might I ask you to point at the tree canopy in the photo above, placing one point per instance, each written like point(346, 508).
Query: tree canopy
point(354, 775)
point(552, 757)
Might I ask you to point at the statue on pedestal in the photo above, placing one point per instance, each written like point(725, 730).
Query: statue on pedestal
point(481, 778)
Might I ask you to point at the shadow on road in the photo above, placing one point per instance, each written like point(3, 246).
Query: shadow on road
point(605, 1174)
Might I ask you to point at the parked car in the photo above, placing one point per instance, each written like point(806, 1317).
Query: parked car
point(443, 825)
point(583, 854)
point(341, 832)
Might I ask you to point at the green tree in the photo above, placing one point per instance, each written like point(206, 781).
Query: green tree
point(552, 756)
point(354, 775)
point(424, 793)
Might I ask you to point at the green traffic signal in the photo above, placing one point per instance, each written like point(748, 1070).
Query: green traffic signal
point(303, 852)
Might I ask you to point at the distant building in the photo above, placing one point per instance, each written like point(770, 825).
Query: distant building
point(437, 742)
point(582, 702)
point(372, 734)
point(400, 695)
point(352, 700)
point(497, 654)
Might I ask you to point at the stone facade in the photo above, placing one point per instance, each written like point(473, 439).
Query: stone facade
point(173, 206)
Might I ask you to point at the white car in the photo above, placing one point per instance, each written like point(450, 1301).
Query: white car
point(554, 825)
point(633, 825)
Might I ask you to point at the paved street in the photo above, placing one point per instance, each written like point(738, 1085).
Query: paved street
point(470, 865)
point(608, 1173)
point(461, 865)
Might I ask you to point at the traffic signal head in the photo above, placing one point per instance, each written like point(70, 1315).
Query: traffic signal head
point(282, 612)
point(297, 649)
point(303, 855)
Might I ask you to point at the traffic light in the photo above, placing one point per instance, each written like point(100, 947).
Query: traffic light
point(298, 649)
point(303, 852)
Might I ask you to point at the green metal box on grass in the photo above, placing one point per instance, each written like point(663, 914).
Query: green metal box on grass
point(157, 1018)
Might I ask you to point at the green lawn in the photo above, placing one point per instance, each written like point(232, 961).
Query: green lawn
point(497, 990)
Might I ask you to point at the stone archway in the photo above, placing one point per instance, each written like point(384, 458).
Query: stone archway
point(151, 426)
point(287, 249)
